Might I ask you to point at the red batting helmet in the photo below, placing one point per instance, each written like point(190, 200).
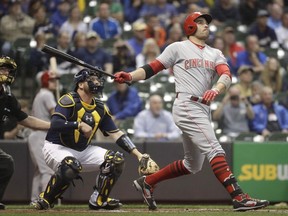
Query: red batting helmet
point(190, 26)
point(46, 76)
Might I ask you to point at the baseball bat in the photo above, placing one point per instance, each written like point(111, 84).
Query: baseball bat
point(57, 53)
point(53, 68)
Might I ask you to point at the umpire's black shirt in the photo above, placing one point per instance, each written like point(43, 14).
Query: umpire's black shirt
point(9, 109)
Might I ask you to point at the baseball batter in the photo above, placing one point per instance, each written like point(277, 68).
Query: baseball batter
point(195, 65)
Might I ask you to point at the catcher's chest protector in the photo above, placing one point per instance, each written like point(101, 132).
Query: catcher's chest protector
point(90, 114)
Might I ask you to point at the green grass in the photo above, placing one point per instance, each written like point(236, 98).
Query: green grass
point(141, 210)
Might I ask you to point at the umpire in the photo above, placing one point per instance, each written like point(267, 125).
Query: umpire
point(9, 107)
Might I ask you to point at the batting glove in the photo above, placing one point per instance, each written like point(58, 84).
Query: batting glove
point(122, 77)
point(210, 95)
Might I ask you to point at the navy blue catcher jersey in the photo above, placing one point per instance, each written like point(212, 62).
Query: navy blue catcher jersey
point(70, 108)
point(9, 109)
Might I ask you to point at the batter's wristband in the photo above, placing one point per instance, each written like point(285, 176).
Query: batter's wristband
point(125, 143)
point(148, 71)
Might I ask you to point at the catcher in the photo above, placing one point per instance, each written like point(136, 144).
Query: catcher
point(67, 148)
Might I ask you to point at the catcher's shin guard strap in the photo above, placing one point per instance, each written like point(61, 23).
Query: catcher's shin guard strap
point(125, 143)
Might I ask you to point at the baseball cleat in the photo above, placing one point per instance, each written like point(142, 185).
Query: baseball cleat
point(40, 204)
point(111, 204)
point(146, 191)
point(2, 206)
point(244, 202)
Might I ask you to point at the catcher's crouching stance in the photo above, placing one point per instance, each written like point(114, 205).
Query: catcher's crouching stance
point(67, 148)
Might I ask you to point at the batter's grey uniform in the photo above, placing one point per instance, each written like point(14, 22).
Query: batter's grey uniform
point(43, 102)
point(194, 71)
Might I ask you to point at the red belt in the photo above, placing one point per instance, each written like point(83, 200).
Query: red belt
point(196, 99)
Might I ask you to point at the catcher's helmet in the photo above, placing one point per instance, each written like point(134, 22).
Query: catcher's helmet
point(84, 76)
point(10, 64)
point(190, 25)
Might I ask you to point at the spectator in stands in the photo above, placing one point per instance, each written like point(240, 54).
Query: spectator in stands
point(60, 15)
point(93, 54)
point(136, 42)
point(155, 123)
point(116, 10)
point(245, 79)
point(63, 44)
point(42, 108)
point(234, 112)
point(104, 25)
point(74, 23)
point(148, 8)
point(224, 11)
point(266, 35)
point(14, 131)
point(42, 22)
point(282, 31)
point(16, 24)
point(272, 75)
point(175, 34)
point(252, 55)
point(269, 116)
point(248, 10)
point(218, 43)
point(38, 60)
point(190, 6)
point(124, 102)
point(276, 12)
point(150, 52)
point(155, 30)
point(132, 10)
point(165, 11)
point(79, 41)
point(4, 7)
point(255, 97)
point(123, 57)
point(232, 47)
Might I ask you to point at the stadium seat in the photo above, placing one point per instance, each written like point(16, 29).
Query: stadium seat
point(246, 136)
point(278, 136)
point(126, 125)
point(22, 43)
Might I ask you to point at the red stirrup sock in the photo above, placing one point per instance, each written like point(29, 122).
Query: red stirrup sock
point(172, 170)
point(225, 176)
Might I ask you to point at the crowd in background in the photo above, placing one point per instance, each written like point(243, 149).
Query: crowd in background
point(120, 35)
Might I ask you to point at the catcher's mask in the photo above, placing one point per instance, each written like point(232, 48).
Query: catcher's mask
point(190, 26)
point(6, 79)
point(85, 75)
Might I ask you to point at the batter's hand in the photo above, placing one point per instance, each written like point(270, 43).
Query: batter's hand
point(122, 77)
point(210, 95)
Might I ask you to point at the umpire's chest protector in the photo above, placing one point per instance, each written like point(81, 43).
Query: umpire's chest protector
point(91, 114)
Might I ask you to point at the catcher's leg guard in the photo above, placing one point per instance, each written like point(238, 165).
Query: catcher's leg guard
point(110, 171)
point(68, 170)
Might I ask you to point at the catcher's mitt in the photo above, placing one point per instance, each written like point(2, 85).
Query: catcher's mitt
point(147, 165)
